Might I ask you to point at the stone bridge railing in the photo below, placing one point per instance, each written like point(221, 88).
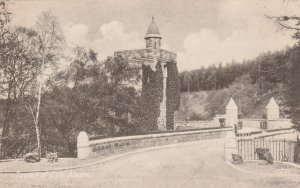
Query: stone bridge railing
point(88, 149)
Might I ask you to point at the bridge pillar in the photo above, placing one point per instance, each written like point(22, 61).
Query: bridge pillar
point(272, 110)
point(83, 150)
point(231, 113)
point(230, 146)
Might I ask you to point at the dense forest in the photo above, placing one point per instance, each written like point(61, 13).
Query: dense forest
point(267, 70)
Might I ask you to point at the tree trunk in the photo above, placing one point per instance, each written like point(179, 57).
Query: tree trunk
point(6, 125)
point(36, 118)
point(71, 149)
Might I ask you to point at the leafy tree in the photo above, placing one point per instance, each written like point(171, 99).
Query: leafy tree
point(293, 91)
point(292, 23)
point(25, 54)
point(19, 68)
point(83, 99)
point(122, 72)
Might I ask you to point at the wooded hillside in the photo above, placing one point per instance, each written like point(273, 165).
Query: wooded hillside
point(251, 83)
point(266, 70)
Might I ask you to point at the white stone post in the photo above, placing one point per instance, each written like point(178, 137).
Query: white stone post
point(272, 110)
point(230, 146)
point(231, 113)
point(83, 150)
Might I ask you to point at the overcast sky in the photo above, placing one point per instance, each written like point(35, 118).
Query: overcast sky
point(201, 32)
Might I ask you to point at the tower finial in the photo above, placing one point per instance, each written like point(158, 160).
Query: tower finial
point(153, 31)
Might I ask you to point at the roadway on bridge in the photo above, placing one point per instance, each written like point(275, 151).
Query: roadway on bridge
point(196, 164)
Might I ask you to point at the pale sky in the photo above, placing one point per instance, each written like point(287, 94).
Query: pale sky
point(201, 32)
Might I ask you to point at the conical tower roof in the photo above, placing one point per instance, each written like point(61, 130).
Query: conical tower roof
point(153, 31)
point(231, 105)
point(272, 104)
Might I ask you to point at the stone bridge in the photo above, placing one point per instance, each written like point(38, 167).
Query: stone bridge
point(191, 164)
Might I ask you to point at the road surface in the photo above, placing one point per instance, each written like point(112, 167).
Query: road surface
point(196, 164)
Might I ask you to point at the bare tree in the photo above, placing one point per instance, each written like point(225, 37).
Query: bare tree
point(291, 23)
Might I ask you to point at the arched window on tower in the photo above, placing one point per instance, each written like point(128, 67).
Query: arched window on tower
point(154, 45)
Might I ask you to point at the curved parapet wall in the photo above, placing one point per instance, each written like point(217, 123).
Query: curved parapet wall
point(110, 145)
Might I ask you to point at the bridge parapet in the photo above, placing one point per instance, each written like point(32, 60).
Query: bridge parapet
point(118, 144)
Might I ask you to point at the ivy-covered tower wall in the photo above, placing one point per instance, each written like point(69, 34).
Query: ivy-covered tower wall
point(159, 85)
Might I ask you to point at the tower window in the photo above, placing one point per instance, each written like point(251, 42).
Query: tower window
point(154, 45)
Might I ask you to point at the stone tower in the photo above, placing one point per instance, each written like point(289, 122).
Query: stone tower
point(150, 56)
point(272, 110)
point(153, 36)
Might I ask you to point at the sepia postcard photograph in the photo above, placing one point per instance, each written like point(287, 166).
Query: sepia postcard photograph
point(150, 93)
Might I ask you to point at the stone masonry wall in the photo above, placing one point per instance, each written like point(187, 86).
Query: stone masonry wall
point(279, 124)
point(146, 54)
point(252, 123)
point(166, 55)
point(105, 146)
point(133, 54)
point(184, 125)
